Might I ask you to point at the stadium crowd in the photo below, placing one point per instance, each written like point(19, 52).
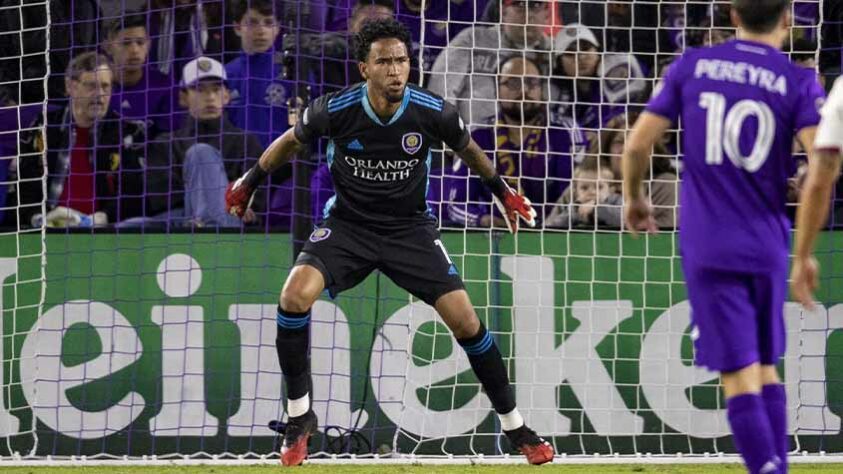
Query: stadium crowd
point(153, 108)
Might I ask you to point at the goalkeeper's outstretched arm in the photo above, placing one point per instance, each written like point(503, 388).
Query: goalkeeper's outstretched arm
point(511, 204)
point(239, 194)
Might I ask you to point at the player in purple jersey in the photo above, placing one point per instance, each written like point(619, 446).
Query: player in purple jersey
point(742, 103)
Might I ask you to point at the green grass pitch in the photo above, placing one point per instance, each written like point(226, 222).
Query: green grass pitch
point(420, 469)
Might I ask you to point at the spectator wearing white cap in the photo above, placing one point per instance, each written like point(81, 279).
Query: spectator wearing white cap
point(590, 86)
point(189, 169)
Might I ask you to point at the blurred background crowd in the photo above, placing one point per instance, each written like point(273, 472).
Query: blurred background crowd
point(152, 108)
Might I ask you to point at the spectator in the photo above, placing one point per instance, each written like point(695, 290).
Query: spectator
point(590, 87)
point(593, 202)
point(94, 174)
point(534, 156)
point(662, 184)
point(714, 28)
point(181, 30)
point(139, 92)
point(189, 169)
point(623, 26)
point(464, 73)
point(258, 93)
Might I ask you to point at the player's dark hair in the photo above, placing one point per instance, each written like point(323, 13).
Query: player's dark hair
point(117, 25)
point(264, 7)
point(760, 16)
point(375, 30)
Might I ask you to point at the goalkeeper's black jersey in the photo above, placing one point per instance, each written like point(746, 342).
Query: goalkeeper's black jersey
point(380, 167)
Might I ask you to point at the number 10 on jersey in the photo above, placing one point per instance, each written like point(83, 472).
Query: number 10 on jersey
point(723, 131)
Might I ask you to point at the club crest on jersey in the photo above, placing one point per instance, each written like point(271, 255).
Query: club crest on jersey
point(321, 234)
point(411, 142)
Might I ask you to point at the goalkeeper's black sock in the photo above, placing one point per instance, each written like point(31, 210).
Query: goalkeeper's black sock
point(292, 343)
point(487, 362)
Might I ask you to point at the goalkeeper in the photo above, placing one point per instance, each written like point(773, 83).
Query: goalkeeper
point(380, 133)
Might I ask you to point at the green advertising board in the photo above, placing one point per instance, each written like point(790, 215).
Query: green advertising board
point(165, 343)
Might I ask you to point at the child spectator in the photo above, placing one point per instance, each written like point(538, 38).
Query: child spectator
point(662, 183)
point(188, 170)
point(259, 93)
point(592, 203)
point(139, 92)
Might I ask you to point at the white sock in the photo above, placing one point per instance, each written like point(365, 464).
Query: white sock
point(299, 406)
point(511, 421)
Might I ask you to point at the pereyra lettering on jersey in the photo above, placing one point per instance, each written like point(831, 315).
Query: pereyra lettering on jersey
point(741, 73)
point(411, 142)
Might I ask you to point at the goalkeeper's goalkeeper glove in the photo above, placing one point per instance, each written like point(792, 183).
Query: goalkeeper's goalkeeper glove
point(511, 204)
point(240, 193)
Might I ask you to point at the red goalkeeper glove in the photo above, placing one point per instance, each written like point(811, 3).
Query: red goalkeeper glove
point(240, 193)
point(511, 204)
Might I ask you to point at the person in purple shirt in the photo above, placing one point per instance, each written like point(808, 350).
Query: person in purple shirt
point(259, 93)
point(534, 156)
point(741, 103)
point(139, 92)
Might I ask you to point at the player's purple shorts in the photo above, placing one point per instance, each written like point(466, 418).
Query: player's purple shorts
point(737, 318)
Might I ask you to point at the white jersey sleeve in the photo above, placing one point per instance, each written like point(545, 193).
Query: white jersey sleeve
point(830, 131)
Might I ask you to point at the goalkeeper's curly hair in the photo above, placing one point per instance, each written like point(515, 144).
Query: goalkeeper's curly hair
point(374, 30)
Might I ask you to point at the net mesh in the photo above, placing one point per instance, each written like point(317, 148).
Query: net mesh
point(154, 334)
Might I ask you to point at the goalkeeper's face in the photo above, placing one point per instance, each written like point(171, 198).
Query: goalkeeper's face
point(387, 69)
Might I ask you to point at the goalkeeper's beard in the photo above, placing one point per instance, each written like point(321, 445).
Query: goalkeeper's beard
point(394, 98)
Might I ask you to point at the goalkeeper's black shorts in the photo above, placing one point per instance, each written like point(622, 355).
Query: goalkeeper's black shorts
point(413, 257)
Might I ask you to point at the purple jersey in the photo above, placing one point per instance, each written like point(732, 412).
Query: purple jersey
point(741, 104)
point(151, 100)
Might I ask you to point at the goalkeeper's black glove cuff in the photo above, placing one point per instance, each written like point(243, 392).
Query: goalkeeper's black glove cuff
point(254, 177)
point(497, 185)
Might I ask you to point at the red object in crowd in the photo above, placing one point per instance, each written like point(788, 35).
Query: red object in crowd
point(79, 188)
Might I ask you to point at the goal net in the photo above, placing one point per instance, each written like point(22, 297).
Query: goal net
point(146, 338)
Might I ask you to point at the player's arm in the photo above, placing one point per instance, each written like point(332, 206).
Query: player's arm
point(238, 196)
point(314, 123)
point(823, 145)
point(823, 170)
point(512, 205)
point(648, 130)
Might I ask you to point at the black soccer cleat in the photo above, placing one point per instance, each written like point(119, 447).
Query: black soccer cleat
point(297, 433)
point(531, 445)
